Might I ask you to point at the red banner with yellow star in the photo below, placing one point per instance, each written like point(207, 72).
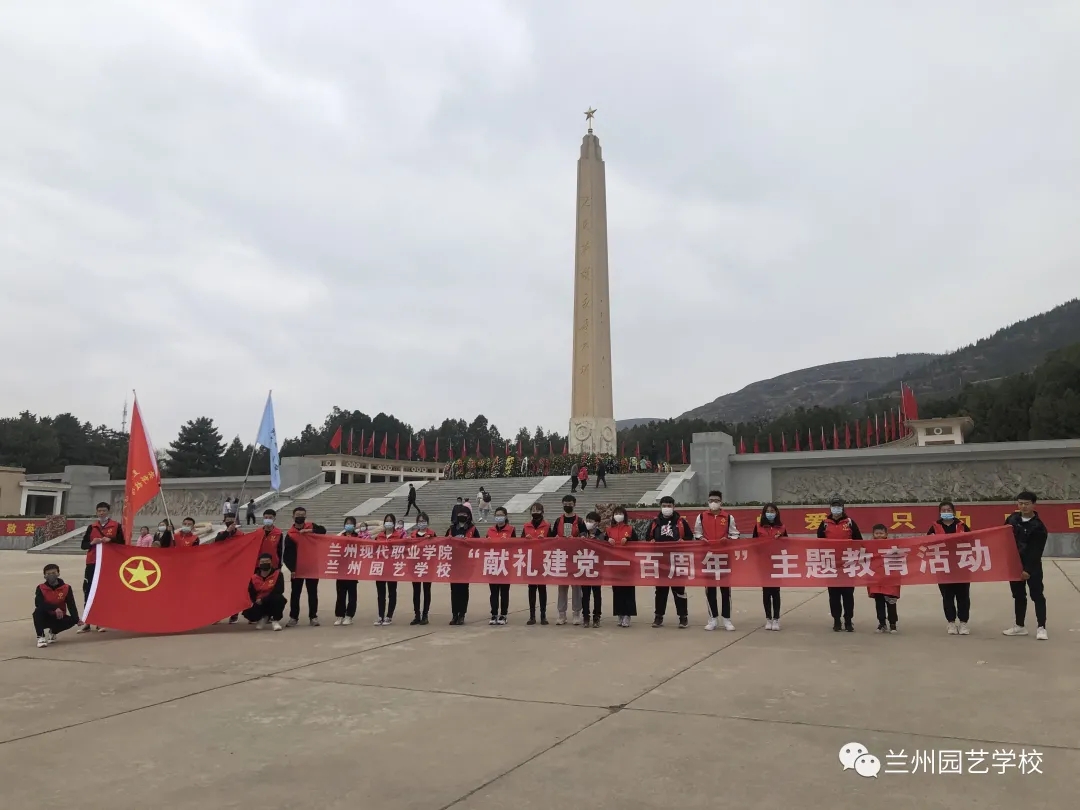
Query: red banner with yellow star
point(142, 483)
point(170, 590)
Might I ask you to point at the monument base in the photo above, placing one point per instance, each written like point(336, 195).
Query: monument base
point(592, 435)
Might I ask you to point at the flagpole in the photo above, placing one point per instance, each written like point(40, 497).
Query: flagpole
point(251, 459)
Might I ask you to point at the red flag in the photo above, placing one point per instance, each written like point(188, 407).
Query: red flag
point(451, 451)
point(464, 449)
point(142, 483)
point(637, 449)
point(478, 453)
point(755, 444)
point(566, 448)
point(869, 435)
point(824, 444)
point(335, 443)
point(877, 429)
point(436, 448)
point(382, 447)
point(408, 453)
point(911, 407)
point(783, 441)
point(421, 451)
point(397, 445)
point(771, 449)
point(858, 435)
point(520, 454)
point(835, 438)
point(809, 439)
point(350, 440)
point(742, 445)
point(361, 448)
point(371, 445)
point(797, 441)
point(171, 590)
point(847, 436)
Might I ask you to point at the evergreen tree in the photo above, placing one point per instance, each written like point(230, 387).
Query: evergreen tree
point(235, 459)
point(197, 451)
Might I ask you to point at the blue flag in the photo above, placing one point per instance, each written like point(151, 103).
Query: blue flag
point(268, 438)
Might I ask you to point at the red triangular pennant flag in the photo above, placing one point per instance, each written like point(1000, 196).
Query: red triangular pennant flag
point(371, 445)
point(858, 435)
point(742, 445)
point(783, 442)
point(682, 446)
point(383, 446)
point(408, 453)
point(350, 440)
point(771, 450)
point(755, 444)
point(142, 483)
point(810, 439)
point(798, 446)
point(847, 436)
point(421, 451)
point(335, 443)
point(361, 447)
point(397, 446)
point(566, 448)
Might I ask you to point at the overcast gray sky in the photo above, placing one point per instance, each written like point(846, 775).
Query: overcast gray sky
point(371, 204)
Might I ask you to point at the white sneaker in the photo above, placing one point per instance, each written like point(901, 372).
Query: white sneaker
point(1015, 630)
point(577, 618)
point(314, 621)
point(775, 624)
point(84, 629)
point(387, 621)
point(291, 622)
point(41, 642)
point(50, 636)
point(711, 625)
point(727, 624)
point(101, 629)
point(261, 623)
point(378, 622)
point(1040, 634)
point(492, 621)
point(768, 624)
point(339, 621)
point(963, 629)
point(953, 629)
point(277, 625)
point(561, 619)
point(347, 621)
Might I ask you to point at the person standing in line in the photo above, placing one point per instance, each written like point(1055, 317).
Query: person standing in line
point(536, 529)
point(185, 538)
point(267, 592)
point(1030, 534)
point(591, 594)
point(568, 524)
point(362, 531)
point(838, 526)
point(251, 512)
point(387, 588)
point(412, 501)
point(231, 531)
point(583, 476)
point(104, 530)
point(955, 596)
point(163, 537)
point(885, 595)
point(459, 591)
point(421, 532)
point(669, 527)
point(54, 607)
point(500, 592)
point(717, 526)
point(271, 538)
point(345, 604)
point(601, 474)
point(300, 527)
point(623, 597)
point(145, 539)
point(770, 526)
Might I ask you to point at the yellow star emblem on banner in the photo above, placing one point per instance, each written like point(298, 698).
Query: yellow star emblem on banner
point(140, 574)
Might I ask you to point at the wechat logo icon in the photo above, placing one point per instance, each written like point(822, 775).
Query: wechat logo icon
point(855, 757)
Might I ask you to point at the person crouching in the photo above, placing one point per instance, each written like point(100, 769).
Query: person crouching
point(267, 592)
point(54, 607)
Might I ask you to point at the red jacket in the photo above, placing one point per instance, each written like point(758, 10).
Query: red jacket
point(530, 532)
point(715, 525)
point(95, 531)
point(505, 533)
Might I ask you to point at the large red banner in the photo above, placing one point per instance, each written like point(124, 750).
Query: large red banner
point(989, 555)
point(899, 519)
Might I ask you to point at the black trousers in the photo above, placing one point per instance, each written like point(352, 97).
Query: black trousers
point(346, 598)
point(886, 610)
point(678, 592)
point(573, 483)
point(533, 590)
point(623, 600)
point(601, 479)
point(250, 519)
point(416, 588)
point(411, 505)
point(1034, 586)
point(844, 597)
point(88, 578)
point(956, 601)
point(296, 586)
point(590, 593)
point(725, 602)
point(459, 598)
point(272, 608)
point(770, 597)
point(500, 599)
point(45, 619)
point(382, 590)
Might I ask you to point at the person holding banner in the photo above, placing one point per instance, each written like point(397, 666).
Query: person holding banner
point(568, 525)
point(955, 596)
point(885, 595)
point(384, 588)
point(462, 527)
point(421, 532)
point(267, 592)
point(669, 527)
point(345, 605)
point(536, 529)
point(592, 592)
point(1030, 535)
point(623, 597)
point(54, 606)
point(186, 537)
point(289, 554)
point(716, 526)
point(770, 526)
point(271, 537)
point(500, 593)
point(105, 530)
point(838, 526)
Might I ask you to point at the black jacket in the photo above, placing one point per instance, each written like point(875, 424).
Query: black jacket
point(669, 529)
point(558, 525)
point(288, 545)
point(39, 599)
point(856, 534)
point(1030, 538)
point(279, 586)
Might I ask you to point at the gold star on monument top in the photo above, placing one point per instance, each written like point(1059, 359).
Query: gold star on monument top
point(140, 573)
point(589, 115)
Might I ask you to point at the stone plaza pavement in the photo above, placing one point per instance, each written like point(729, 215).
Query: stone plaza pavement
point(479, 718)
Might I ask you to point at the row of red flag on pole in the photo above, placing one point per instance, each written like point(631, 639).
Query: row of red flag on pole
point(421, 452)
point(890, 427)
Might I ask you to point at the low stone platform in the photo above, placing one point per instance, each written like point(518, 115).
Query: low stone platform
point(482, 717)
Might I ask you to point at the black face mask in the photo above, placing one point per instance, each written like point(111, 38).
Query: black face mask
point(52, 579)
point(300, 521)
point(569, 509)
point(265, 569)
point(537, 520)
point(462, 522)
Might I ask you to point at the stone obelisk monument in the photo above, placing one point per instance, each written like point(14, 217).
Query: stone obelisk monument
point(592, 422)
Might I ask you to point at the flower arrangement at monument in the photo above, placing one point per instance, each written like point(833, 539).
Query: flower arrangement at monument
point(514, 466)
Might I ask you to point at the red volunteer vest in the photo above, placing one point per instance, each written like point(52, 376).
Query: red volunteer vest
point(55, 597)
point(505, 533)
point(838, 530)
point(99, 532)
point(960, 527)
point(560, 522)
point(185, 539)
point(775, 529)
point(715, 525)
point(264, 586)
point(620, 532)
point(530, 532)
point(271, 544)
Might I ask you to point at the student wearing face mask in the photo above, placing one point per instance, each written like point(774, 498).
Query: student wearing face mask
point(500, 593)
point(770, 526)
point(623, 597)
point(591, 594)
point(421, 531)
point(669, 527)
point(267, 592)
point(462, 527)
point(232, 530)
point(345, 605)
point(955, 596)
point(386, 588)
point(717, 526)
point(568, 524)
point(185, 538)
point(164, 536)
point(289, 553)
point(363, 532)
point(270, 537)
point(54, 606)
point(103, 530)
point(1030, 535)
point(838, 526)
point(536, 529)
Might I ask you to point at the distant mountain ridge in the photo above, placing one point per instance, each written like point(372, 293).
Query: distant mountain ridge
point(1013, 349)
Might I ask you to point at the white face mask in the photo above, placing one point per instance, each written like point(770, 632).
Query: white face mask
point(161, 528)
point(837, 511)
point(619, 518)
point(590, 525)
point(770, 516)
point(185, 529)
point(388, 526)
point(714, 505)
point(667, 511)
